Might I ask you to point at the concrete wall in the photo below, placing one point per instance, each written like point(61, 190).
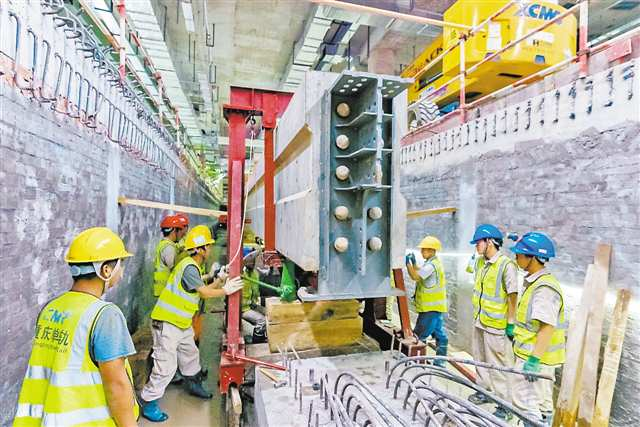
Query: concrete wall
point(59, 178)
point(578, 179)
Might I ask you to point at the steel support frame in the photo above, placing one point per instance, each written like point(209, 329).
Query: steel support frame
point(244, 103)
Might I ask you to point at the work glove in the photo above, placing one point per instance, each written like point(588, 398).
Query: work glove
point(532, 365)
point(410, 258)
point(223, 273)
point(509, 331)
point(233, 285)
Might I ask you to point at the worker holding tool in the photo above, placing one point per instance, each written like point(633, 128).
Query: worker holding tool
point(78, 371)
point(495, 296)
point(173, 340)
point(539, 340)
point(166, 252)
point(430, 296)
point(252, 311)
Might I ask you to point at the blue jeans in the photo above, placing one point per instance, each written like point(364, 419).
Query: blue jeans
point(431, 323)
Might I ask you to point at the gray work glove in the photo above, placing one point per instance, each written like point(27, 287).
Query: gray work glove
point(233, 285)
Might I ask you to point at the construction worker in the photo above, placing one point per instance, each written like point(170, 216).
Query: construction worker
point(78, 372)
point(539, 338)
point(173, 340)
point(252, 311)
point(430, 296)
point(166, 252)
point(183, 220)
point(495, 296)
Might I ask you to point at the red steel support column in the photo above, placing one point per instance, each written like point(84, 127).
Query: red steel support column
point(270, 109)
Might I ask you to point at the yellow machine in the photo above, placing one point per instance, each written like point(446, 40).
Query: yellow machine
point(546, 48)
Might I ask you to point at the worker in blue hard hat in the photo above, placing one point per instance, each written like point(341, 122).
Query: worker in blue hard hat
point(541, 324)
point(495, 296)
point(431, 295)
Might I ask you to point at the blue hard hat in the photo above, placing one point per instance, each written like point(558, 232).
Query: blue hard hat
point(486, 231)
point(535, 244)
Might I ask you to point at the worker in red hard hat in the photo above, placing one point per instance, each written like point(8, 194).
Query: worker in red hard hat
point(166, 252)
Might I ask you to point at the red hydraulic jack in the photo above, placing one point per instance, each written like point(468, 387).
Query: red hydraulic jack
point(245, 103)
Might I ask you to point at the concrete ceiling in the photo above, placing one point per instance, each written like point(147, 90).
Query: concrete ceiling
point(253, 43)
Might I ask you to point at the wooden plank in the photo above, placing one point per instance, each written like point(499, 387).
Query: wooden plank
point(297, 311)
point(166, 206)
point(611, 363)
point(593, 337)
point(434, 211)
point(567, 403)
point(319, 334)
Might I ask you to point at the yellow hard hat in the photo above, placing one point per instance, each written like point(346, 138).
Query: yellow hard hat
point(430, 242)
point(199, 235)
point(96, 244)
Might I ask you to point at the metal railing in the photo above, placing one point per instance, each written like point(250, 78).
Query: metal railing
point(584, 49)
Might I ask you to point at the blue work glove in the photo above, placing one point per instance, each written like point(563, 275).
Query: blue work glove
point(410, 258)
point(532, 365)
point(509, 331)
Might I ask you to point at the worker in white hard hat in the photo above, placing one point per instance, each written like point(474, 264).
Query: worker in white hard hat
point(173, 339)
point(78, 372)
point(431, 295)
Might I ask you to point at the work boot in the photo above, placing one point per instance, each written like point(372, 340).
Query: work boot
point(441, 350)
point(195, 387)
point(503, 414)
point(152, 412)
point(478, 398)
point(177, 378)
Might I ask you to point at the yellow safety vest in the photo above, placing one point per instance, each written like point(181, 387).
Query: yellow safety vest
point(489, 296)
point(162, 271)
point(63, 386)
point(432, 298)
point(175, 305)
point(526, 330)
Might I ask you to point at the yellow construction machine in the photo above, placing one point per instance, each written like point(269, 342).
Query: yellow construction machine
point(428, 98)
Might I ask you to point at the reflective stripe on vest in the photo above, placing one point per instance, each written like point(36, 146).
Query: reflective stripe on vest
point(432, 298)
point(162, 271)
point(175, 305)
point(62, 385)
point(526, 330)
point(489, 296)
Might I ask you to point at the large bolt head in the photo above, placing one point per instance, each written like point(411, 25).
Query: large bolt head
point(374, 243)
point(375, 212)
point(342, 172)
point(341, 244)
point(341, 213)
point(342, 141)
point(343, 110)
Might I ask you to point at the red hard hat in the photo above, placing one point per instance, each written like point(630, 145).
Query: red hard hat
point(170, 221)
point(183, 219)
point(222, 219)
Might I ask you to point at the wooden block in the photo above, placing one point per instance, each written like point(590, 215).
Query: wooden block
point(318, 334)
point(294, 312)
point(567, 404)
point(593, 338)
point(611, 363)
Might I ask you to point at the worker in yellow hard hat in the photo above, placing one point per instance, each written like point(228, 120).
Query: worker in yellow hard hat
point(173, 341)
point(78, 371)
point(431, 295)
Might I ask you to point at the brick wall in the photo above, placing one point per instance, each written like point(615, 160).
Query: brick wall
point(55, 183)
point(577, 180)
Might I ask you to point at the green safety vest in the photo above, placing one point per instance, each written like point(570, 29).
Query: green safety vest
point(432, 298)
point(489, 296)
point(526, 330)
point(175, 305)
point(63, 386)
point(162, 271)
